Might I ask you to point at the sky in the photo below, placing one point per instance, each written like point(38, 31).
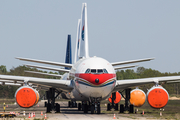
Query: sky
point(119, 30)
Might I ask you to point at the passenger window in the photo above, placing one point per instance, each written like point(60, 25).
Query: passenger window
point(87, 71)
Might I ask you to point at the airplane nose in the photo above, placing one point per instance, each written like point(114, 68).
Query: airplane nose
point(97, 80)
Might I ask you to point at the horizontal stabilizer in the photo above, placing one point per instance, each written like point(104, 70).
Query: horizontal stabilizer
point(54, 75)
point(45, 62)
point(132, 61)
point(48, 68)
point(124, 67)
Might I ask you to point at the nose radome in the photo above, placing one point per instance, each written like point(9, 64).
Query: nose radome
point(97, 80)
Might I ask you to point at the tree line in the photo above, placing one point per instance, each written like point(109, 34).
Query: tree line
point(141, 72)
point(9, 91)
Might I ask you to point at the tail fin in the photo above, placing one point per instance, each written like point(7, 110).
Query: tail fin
point(77, 41)
point(68, 52)
point(84, 51)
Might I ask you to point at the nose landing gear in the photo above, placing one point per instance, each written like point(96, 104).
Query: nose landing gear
point(93, 105)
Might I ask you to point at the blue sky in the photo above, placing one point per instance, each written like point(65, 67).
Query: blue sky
point(118, 31)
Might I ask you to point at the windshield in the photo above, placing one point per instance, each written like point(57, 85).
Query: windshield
point(96, 71)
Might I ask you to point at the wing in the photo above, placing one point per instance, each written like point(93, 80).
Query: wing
point(123, 84)
point(62, 85)
point(131, 61)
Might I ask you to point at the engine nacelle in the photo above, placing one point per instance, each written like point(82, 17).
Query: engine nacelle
point(157, 97)
point(118, 98)
point(26, 96)
point(137, 97)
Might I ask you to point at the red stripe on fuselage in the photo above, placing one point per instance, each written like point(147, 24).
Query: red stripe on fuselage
point(91, 77)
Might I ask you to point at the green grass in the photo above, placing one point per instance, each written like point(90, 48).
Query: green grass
point(171, 111)
point(7, 101)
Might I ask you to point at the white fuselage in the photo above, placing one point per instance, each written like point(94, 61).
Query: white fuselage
point(92, 77)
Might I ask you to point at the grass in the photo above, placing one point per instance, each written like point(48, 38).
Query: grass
point(171, 111)
point(7, 101)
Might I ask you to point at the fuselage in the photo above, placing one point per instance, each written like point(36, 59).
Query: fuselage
point(93, 77)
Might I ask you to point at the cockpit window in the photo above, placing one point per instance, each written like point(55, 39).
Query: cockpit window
point(96, 71)
point(93, 71)
point(99, 71)
point(87, 71)
point(105, 71)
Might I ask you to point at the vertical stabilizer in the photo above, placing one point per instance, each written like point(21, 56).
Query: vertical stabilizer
point(77, 41)
point(68, 52)
point(84, 51)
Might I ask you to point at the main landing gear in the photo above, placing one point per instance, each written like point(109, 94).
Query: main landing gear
point(113, 105)
point(126, 107)
point(51, 105)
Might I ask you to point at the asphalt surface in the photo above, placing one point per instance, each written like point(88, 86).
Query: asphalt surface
point(67, 113)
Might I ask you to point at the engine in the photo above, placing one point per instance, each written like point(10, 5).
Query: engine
point(118, 98)
point(26, 96)
point(137, 97)
point(157, 97)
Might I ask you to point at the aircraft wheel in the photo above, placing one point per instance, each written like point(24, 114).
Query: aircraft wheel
point(57, 108)
point(92, 109)
point(79, 106)
point(108, 107)
point(121, 108)
point(85, 108)
point(131, 110)
point(98, 109)
point(69, 103)
point(48, 108)
point(45, 104)
point(75, 105)
point(116, 106)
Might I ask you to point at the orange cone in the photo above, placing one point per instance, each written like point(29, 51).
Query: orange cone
point(45, 117)
point(29, 116)
point(32, 115)
point(41, 112)
point(114, 116)
point(143, 112)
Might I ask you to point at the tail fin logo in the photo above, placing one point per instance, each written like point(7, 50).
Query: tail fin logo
point(83, 33)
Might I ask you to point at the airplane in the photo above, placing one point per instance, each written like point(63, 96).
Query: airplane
point(89, 80)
